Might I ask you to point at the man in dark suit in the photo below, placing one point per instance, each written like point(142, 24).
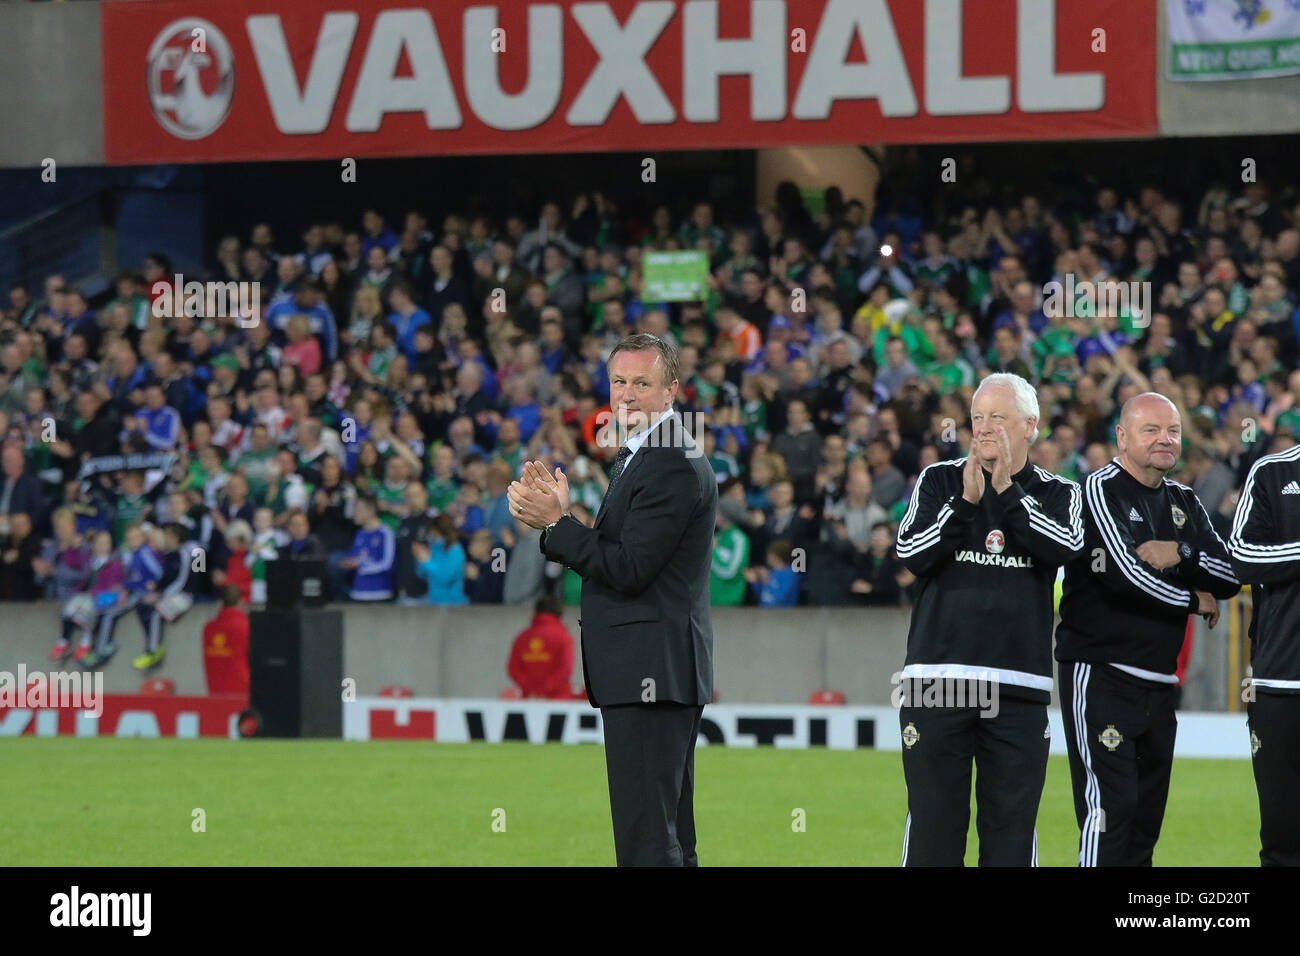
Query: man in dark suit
point(20, 491)
point(647, 642)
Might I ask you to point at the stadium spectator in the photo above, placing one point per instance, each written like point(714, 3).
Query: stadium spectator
point(303, 545)
point(165, 599)
point(525, 577)
point(881, 576)
point(63, 567)
point(888, 484)
point(19, 549)
point(225, 647)
point(857, 508)
point(440, 562)
point(549, 231)
point(776, 584)
point(730, 556)
point(82, 611)
point(441, 375)
point(541, 657)
point(372, 554)
point(140, 569)
point(20, 492)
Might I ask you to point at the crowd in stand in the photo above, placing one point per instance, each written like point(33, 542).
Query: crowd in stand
point(372, 411)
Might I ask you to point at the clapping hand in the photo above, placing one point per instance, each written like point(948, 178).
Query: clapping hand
point(538, 498)
point(972, 477)
point(1002, 467)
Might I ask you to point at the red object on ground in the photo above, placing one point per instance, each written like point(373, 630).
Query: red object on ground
point(393, 690)
point(159, 687)
point(225, 652)
point(512, 693)
point(827, 697)
point(541, 659)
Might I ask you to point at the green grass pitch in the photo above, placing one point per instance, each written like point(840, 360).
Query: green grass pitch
point(77, 802)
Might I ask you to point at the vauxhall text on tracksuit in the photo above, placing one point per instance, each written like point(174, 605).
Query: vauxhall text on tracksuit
point(1122, 626)
point(983, 617)
point(1265, 550)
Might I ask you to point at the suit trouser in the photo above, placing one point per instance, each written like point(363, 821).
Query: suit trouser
point(650, 762)
point(1274, 721)
point(1009, 752)
point(1119, 731)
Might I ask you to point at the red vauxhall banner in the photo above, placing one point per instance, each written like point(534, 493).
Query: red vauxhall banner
point(238, 80)
point(128, 715)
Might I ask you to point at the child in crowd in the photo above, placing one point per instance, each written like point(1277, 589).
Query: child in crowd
point(140, 570)
point(776, 585)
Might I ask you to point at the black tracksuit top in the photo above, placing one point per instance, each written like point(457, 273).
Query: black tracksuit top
point(1116, 608)
point(985, 576)
point(1265, 550)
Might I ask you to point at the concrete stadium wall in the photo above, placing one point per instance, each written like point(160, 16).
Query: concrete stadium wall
point(50, 84)
point(777, 656)
point(761, 656)
point(1222, 107)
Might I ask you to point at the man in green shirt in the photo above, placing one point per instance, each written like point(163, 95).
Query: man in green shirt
point(129, 295)
point(948, 371)
point(255, 463)
point(132, 504)
point(442, 485)
point(730, 558)
point(509, 448)
point(391, 494)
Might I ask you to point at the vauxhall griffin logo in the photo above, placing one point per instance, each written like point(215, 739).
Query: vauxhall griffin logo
point(191, 78)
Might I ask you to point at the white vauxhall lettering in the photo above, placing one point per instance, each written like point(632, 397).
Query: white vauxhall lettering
point(622, 69)
point(308, 110)
point(947, 92)
point(706, 58)
point(427, 90)
point(541, 92)
point(829, 77)
point(1039, 88)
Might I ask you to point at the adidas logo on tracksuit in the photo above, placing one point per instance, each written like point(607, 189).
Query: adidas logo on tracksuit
point(1133, 515)
point(1292, 488)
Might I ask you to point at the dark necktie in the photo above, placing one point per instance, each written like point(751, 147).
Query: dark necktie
point(620, 462)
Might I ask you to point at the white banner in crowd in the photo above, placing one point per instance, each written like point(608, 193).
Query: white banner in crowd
point(1233, 39)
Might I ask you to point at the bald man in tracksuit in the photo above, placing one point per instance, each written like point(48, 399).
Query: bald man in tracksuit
point(1151, 559)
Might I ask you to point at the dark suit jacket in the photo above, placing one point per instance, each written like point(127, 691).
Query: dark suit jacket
point(25, 497)
point(645, 576)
